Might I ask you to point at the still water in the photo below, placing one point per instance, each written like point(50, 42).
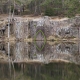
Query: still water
point(40, 61)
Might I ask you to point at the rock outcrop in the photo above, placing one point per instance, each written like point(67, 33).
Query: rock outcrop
point(22, 28)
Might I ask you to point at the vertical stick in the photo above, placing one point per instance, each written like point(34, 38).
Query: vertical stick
point(8, 30)
point(9, 20)
point(13, 10)
point(9, 58)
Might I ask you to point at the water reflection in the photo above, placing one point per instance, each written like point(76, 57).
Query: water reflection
point(28, 52)
point(22, 60)
point(37, 71)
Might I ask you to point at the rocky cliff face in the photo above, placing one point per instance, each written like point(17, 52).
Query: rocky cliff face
point(68, 28)
point(41, 29)
point(23, 28)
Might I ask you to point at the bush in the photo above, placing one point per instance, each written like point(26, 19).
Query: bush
point(49, 12)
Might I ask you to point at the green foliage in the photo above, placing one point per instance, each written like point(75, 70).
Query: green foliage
point(72, 7)
point(49, 12)
point(48, 7)
point(61, 7)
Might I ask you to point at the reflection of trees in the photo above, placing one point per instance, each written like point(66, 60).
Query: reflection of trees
point(36, 71)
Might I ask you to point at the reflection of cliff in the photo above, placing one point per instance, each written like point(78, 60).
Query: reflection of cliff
point(36, 71)
point(28, 52)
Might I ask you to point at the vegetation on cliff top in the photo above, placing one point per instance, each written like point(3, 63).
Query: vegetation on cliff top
point(42, 7)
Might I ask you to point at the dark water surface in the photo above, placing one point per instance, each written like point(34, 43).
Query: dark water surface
point(39, 61)
point(37, 71)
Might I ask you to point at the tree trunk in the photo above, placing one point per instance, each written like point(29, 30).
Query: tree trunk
point(35, 13)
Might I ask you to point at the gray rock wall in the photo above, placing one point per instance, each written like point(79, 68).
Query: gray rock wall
point(27, 28)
